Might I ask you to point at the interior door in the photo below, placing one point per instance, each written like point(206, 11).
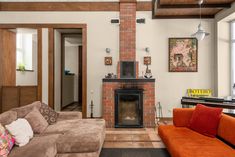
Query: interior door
point(80, 75)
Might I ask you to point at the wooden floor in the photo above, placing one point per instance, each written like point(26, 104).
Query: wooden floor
point(133, 138)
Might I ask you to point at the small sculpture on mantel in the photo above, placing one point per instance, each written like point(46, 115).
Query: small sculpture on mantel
point(110, 75)
point(148, 73)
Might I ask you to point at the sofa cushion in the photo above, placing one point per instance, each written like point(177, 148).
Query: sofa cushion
point(72, 142)
point(8, 117)
point(184, 142)
point(6, 142)
point(23, 111)
point(43, 146)
point(69, 115)
point(37, 121)
point(48, 113)
point(81, 135)
point(227, 123)
point(21, 131)
point(205, 120)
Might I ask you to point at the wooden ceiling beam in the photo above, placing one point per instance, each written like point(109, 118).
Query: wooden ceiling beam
point(217, 6)
point(204, 5)
point(182, 16)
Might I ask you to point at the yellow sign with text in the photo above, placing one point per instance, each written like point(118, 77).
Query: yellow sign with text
point(199, 92)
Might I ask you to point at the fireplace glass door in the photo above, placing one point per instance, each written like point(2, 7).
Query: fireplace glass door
point(129, 108)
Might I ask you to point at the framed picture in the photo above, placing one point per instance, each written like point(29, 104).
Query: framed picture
point(147, 60)
point(108, 61)
point(183, 55)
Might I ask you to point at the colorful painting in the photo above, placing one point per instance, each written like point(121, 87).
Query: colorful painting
point(183, 55)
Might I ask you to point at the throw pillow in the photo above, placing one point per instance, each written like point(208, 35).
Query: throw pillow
point(205, 120)
point(6, 142)
point(21, 131)
point(49, 114)
point(37, 121)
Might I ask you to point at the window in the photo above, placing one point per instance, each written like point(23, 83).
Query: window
point(24, 51)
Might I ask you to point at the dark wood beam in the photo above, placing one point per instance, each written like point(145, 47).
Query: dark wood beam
point(59, 6)
point(181, 16)
point(218, 6)
point(69, 6)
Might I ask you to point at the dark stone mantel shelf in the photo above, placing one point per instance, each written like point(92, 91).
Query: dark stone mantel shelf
point(128, 80)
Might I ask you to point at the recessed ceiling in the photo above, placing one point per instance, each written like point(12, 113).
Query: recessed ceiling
point(188, 8)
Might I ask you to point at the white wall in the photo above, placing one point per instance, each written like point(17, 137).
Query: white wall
point(223, 59)
point(29, 77)
point(170, 87)
point(45, 65)
point(71, 63)
point(57, 69)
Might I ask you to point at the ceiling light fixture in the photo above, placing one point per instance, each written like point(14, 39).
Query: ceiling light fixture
point(200, 34)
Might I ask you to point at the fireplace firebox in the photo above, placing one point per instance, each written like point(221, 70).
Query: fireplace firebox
point(128, 108)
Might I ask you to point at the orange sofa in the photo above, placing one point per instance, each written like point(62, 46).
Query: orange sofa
point(181, 141)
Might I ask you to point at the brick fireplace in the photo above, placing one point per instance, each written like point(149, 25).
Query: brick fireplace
point(137, 107)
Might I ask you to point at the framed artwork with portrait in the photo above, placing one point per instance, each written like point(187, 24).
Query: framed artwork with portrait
point(183, 55)
point(108, 61)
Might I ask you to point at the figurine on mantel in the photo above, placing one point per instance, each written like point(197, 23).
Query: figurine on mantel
point(148, 73)
point(110, 75)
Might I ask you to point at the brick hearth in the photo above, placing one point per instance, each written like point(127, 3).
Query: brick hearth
point(109, 86)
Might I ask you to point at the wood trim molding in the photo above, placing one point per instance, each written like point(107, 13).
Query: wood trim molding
point(51, 62)
point(35, 25)
point(70, 6)
point(59, 6)
point(39, 64)
point(84, 71)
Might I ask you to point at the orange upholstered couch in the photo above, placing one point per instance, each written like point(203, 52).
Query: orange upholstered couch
point(184, 142)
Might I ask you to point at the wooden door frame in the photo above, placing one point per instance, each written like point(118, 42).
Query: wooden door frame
point(39, 51)
point(51, 58)
point(63, 36)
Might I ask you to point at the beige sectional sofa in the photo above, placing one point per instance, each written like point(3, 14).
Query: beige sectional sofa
point(70, 136)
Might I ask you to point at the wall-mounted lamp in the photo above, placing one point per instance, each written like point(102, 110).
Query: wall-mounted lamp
point(147, 49)
point(107, 50)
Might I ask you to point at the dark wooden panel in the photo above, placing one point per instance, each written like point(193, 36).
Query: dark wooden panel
point(39, 33)
point(27, 95)
point(68, 6)
point(16, 96)
point(10, 98)
point(84, 72)
point(7, 59)
point(175, 2)
point(185, 13)
point(51, 75)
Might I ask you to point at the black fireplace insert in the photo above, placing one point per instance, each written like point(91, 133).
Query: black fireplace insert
point(128, 108)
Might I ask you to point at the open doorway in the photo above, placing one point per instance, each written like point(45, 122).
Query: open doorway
point(70, 69)
point(71, 97)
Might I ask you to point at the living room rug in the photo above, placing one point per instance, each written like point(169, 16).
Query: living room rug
point(134, 152)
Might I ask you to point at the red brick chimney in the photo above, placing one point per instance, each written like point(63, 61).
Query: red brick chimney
point(127, 33)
